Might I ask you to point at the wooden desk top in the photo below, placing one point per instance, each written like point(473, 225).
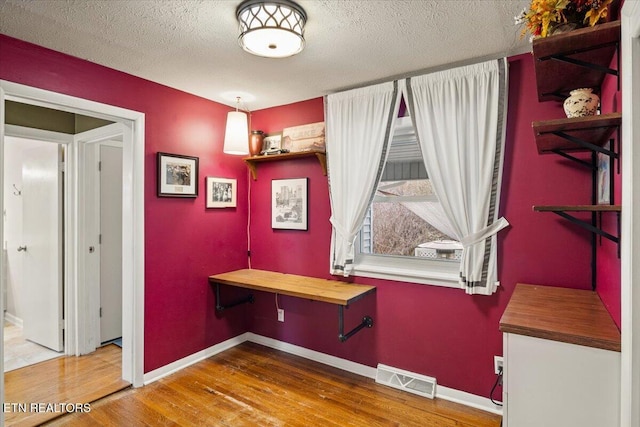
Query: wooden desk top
point(331, 291)
point(560, 314)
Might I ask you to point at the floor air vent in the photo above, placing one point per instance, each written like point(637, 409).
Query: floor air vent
point(407, 381)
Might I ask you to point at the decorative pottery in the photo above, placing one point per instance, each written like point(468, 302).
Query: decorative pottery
point(581, 102)
point(255, 142)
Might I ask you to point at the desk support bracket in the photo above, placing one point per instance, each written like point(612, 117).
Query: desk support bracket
point(367, 322)
point(219, 307)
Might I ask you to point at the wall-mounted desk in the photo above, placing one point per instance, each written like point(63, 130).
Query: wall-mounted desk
point(329, 291)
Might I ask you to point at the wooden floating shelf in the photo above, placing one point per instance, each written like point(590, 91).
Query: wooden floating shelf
point(576, 59)
point(252, 162)
point(579, 208)
point(594, 130)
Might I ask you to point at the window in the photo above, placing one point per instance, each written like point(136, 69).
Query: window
point(406, 235)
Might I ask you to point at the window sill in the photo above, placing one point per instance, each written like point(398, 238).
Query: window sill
point(437, 273)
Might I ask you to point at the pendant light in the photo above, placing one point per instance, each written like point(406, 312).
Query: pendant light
point(236, 134)
point(271, 28)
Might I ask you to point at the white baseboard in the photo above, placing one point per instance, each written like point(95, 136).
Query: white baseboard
point(325, 359)
point(169, 369)
point(467, 399)
point(12, 319)
point(442, 392)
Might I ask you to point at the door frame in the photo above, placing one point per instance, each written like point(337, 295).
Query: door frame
point(630, 218)
point(133, 215)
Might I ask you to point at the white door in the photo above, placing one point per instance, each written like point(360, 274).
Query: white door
point(42, 241)
point(110, 242)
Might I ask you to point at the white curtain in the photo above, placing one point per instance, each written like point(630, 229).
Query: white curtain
point(359, 126)
point(459, 116)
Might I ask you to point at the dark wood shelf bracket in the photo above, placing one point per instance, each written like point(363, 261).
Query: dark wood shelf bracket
point(220, 307)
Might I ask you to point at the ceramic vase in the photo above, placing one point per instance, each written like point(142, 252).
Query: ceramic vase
point(581, 102)
point(255, 142)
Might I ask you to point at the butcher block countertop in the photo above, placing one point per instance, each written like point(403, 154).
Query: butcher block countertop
point(572, 316)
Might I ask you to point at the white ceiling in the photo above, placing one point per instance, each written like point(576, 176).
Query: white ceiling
point(192, 45)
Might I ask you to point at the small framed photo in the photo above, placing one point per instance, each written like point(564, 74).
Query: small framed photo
point(177, 175)
point(221, 192)
point(289, 204)
point(604, 177)
point(272, 143)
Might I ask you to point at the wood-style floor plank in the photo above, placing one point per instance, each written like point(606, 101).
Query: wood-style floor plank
point(252, 385)
point(66, 380)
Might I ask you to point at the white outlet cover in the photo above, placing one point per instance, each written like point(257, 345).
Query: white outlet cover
point(280, 315)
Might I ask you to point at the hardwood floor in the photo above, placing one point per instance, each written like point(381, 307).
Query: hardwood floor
point(65, 380)
point(252, 385)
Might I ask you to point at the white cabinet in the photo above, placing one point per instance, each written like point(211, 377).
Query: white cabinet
point(561, 360)
point(550, 383)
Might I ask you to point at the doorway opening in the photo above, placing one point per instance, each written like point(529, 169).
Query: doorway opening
point(81, 336)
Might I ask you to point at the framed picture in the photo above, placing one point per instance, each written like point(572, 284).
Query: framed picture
point(604, 177)
point(272, 142)
point(289, 204)
point(221, 192)
point(304, 138)
point(177, 175)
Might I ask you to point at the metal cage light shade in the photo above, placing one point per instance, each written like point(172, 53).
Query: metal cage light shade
point(271, 28)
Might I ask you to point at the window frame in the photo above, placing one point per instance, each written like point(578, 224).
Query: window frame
point(405, 268)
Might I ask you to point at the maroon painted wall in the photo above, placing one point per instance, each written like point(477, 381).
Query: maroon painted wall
point(608, 262)
point(427, 329)
point(431, 330)
point(184, 243)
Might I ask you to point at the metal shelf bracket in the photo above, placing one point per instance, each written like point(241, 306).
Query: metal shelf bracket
point(219, 307)
point(367, 322)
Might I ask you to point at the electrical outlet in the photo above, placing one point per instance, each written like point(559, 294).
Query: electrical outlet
point(280, 315)
point(498, 364)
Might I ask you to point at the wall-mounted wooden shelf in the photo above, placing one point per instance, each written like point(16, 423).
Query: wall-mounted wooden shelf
point(579, 58)
point(252, 162)
point(576, 134)
point(579, 208)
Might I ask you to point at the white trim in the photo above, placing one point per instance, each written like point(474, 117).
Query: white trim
point(467, 399)
point(408, 269)
point(133, 210)
point(13, 319)
point(325, 359)
point(192, 359)
point(630, 218)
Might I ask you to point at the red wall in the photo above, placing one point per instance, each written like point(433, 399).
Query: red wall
point(184, 243)
point(431, 330)
point(427, 329)
point(608, 262)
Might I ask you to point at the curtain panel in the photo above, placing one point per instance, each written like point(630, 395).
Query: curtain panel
point(359, 127)
point(460, 121)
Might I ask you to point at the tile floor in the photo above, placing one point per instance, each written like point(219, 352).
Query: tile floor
point(18, 352)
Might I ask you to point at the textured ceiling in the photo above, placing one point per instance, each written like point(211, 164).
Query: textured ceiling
point(192, 45)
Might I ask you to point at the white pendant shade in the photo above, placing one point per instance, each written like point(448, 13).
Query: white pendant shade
point(236, 134)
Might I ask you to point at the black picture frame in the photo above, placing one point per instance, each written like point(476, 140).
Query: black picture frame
point(177, 175)
point(290, 204)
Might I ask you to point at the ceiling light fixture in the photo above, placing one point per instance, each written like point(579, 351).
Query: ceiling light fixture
point(271, 28)
point(236, 134)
